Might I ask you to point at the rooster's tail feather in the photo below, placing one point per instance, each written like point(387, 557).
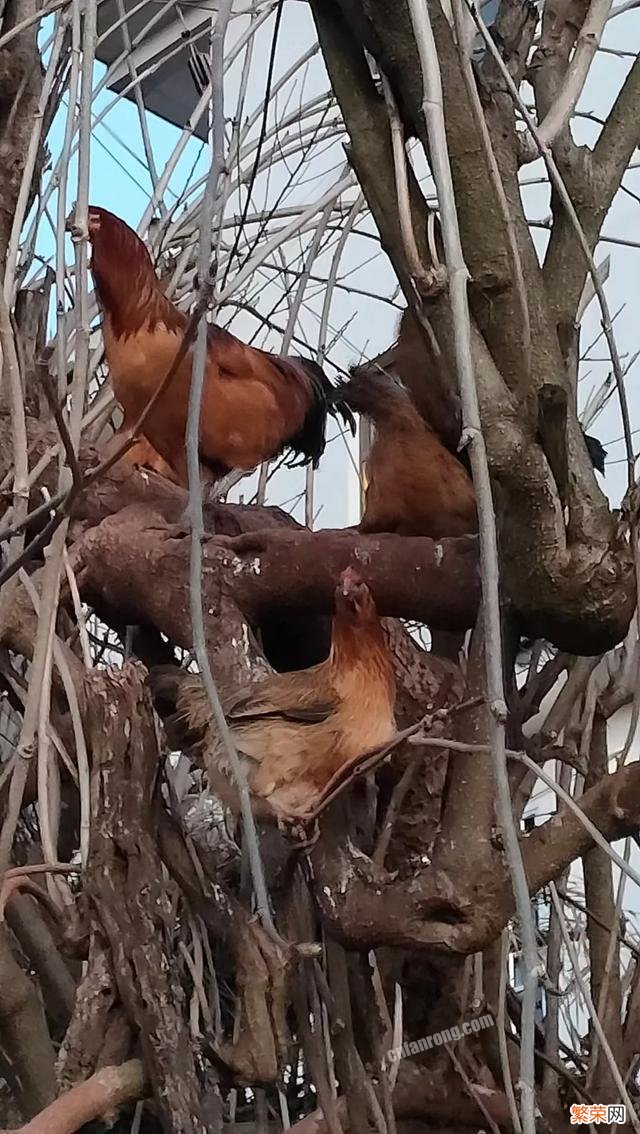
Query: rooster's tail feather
point(597, 453)
point(309, 443)
point(379, 396)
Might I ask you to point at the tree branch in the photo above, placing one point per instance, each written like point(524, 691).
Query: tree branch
point(288, 571)
point(612, 805)
point(99, 1034)
point(619, 137)
point(434, 910)
point(101, 1094)
point(39, 944)
point(593, 180)
point(24, 1033)
point(559, 76)
point(387, 33)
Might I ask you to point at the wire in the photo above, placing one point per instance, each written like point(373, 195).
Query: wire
point(261, 139)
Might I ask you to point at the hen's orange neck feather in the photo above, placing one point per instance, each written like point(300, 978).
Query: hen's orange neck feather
point(358, 639)
point(126, 281)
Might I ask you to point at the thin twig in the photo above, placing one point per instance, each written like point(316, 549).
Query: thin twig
point(422, 278)
point(366, 762)
point(81, 621)
point(41, 868)
point(61, 266)
point(138, 97)
point(472, 1090)
point(505, 1065)
point(48, 772)
point(13, 386)
point(395, 803)
point(612, 960)
point(59, 418)
point(71, 693)
point(240, 228)
point(26, 743)
point(554, 967)
point(622, 938)
point(30, 164)
point(383, 1041)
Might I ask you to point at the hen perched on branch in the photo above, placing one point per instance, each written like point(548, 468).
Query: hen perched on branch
point(296, 733)
point(415, 485)
point(413, 362)
point(254, 404)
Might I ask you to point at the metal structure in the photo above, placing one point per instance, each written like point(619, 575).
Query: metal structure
point(164, 44)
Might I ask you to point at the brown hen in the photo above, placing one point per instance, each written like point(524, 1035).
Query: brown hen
point(415, 485)
point(254, 404)
point(296, 732)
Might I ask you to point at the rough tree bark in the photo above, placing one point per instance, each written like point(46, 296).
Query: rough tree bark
point(20, 89)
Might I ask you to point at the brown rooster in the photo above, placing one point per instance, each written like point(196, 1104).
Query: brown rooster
point(296, 732)
point(254, 404)
point(415, 485)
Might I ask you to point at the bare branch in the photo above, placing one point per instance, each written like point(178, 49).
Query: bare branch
point(593, 181)
point(610, 807)
point(99, 1095)
point(557, 117)
point(207, 285)
point(604, 953)
point(39, 944)
point(23, 1032)
point(619, 138)
point(271, 570)
point(136, 915)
